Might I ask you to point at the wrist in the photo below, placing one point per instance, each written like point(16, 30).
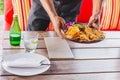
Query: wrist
point(95, 16)
point(53, 19)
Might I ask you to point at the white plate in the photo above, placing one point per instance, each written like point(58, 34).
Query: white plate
point(26, 71)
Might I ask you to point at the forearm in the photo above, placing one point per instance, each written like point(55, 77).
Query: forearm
point(48, 5)
point(96, 7)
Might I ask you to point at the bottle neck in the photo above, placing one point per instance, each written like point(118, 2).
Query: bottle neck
point(16, 19)
point(15, 27)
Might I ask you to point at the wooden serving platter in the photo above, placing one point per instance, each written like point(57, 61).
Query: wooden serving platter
point(86, 42)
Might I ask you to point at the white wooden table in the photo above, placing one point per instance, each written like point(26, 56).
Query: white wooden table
point(96, 61)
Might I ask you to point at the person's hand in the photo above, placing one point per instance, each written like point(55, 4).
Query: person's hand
point(58, 24)
point(94, 22)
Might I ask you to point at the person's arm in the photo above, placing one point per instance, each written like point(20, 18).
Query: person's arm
point(57, 21)
point(94, 19)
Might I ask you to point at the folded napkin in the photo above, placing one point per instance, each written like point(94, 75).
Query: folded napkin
point(24, 63)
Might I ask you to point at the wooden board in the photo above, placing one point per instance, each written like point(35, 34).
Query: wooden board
point(79, 54)
point(58, 48)
point(108, 34)
point(78, 67)
point(106, 43)
point(90, 76)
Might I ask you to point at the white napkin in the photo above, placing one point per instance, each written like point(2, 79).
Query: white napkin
point(24, 63)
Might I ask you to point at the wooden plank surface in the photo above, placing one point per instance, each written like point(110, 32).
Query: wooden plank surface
point(112, 34)
point(6, 45)
point(108, 34)
point(109, 53)
point(107, 43)
point(79, 67)
point(42, 34)
point(97, 61)
point(94, 76)
point(84, 63)
point(111, 40)
point(58, 48)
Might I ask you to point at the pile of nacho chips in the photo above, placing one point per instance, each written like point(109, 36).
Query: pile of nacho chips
point(83, 33)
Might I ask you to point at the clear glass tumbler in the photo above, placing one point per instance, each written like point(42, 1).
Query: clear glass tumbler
point(30, 42)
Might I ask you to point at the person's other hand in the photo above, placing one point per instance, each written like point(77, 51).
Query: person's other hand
point(58, 24)
point(94, 22)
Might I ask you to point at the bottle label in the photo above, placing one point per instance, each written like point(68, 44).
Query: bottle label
point(15, 39)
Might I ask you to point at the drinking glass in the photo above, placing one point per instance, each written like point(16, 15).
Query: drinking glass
point(30, 42)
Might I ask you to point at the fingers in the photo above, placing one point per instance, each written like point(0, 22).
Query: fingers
point(60, 35)
point(94, 22)
point(60, 24)
point(63, 24)
point(95, 25)
point(58, 31)
point(91, 21)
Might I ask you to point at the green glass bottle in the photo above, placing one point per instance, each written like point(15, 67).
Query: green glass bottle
point(15, 32)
